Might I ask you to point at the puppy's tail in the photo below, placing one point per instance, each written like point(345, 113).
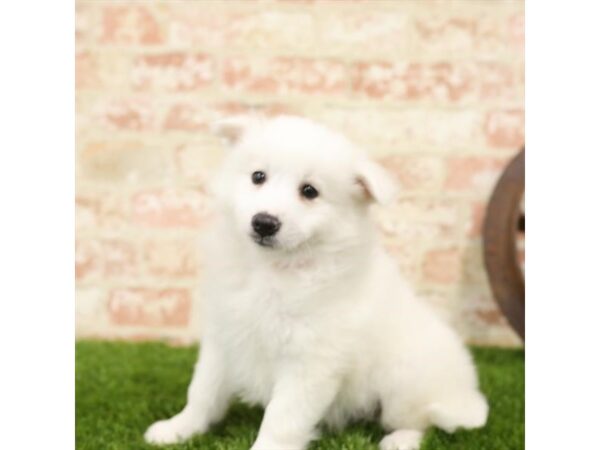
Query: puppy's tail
point(467, 410)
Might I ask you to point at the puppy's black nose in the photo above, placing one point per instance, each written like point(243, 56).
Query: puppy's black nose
point(265, 224)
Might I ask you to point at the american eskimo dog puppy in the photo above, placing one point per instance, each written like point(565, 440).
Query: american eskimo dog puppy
point(304, 312)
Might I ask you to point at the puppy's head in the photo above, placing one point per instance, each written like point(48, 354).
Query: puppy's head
point(288, 183)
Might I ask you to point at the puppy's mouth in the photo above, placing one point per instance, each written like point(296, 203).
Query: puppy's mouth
point(264, 241)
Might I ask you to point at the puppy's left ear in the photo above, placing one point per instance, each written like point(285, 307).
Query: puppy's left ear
point(377, 185)
point(232, 129)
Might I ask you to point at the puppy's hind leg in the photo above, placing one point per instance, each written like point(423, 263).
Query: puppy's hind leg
point(208, 398)
point(402, 440)
point(467, 410)
point(407, 421)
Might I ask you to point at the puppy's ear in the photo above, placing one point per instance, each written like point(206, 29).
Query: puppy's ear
point(231, 129)
point(376, 183)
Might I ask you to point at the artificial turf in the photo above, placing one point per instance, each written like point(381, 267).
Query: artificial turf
point(121, 388)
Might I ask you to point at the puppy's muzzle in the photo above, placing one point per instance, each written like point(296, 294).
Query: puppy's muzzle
point(265, 225)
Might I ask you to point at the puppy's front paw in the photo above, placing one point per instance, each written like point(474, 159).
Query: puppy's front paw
point(260, 446)
point(170, 431)
point(402, 440)
point(268, 443)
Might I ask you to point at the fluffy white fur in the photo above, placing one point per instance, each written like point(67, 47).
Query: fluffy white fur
point(320, 328)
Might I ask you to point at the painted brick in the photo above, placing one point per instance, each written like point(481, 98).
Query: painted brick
point(86, 262)
point(166, 208)
point(186, 117)
point(197, 116)
point(149, 307)
point(113, 161)
point(83, 22)
point(106, 258)
point(516, 31)
point(474, 319)
point(440, 32)
point(521, 78)
point(261, 109)
point(166, 336)
point(436, 82)
point(100, 209)
point(442, 266)
point(474, 174)
point(90, 311)
point(86, 21)
point(475, 227)
point(412, 220)
point(491, 316)
point(214, 27)
point(175, 71)
point(406, 256)
point(285, 76)
point(196, 162)
point(505, 128)
point(119, 258)
point(409, 130)
point(415, 172)
point(171, 259)
point(427, 88)
point(478, 307)
point(473, 268)
point(364, 31)
point(130, 24)
point(125, 114)
point(186, 25)
point(86, 71)
point(101, 70)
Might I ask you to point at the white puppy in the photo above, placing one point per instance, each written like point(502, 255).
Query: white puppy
point(305, 313)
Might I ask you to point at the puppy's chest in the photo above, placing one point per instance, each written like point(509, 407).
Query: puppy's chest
point(263, 332)
point(282, 314)
point(275, 319)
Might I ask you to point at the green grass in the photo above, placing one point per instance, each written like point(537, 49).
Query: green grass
point(121, 388)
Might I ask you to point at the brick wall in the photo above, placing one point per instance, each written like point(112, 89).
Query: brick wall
point(433, 89)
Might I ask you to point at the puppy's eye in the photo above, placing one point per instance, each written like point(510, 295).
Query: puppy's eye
point(259, 177)
point(308, 191)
